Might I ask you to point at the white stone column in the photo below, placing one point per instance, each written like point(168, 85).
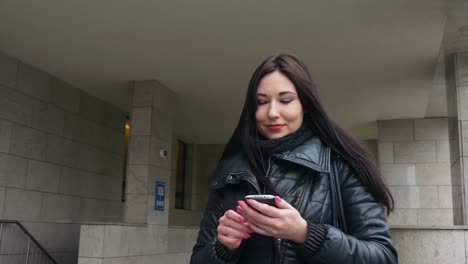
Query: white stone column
point(150, 133)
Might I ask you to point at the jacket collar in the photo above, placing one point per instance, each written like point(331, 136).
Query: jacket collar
point(312, 154)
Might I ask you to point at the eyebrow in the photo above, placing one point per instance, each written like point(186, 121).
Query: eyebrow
point(281, 93)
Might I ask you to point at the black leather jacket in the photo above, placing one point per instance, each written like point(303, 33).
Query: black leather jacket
point(301, 176)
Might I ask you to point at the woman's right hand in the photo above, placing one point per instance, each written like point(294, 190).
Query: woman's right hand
point(232, 229)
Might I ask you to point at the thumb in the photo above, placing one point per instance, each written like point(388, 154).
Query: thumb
point(282, 204)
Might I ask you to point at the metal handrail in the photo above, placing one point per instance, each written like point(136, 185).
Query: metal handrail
point(30, 238)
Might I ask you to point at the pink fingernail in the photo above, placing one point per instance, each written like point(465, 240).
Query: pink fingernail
point(278, 199)
point(239, 209)
point(247, 236)
point(250, 202)
point(244, 220)
point(239, 204)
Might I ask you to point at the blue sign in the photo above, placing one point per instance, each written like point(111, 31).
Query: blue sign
point(159, 196)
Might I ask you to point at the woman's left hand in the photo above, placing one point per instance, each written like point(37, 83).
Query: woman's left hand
point(283, 222)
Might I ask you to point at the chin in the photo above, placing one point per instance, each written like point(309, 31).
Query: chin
point(275, 136)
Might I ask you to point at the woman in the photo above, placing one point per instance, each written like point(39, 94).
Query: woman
point(287, 144)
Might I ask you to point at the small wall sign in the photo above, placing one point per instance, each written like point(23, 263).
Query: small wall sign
point(159, 196)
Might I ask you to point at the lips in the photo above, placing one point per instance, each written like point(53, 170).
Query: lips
point(275, 127)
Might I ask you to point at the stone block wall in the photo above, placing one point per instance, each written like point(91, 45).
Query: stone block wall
point(61, 157)
point(128, 244)
point(415, 161)
point(431, 245)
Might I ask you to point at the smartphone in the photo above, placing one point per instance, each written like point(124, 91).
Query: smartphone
point(262, 198)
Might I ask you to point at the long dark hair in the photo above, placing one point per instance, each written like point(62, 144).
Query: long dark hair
point(318, 120)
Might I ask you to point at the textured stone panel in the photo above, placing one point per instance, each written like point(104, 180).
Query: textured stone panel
point(176, 236)
point(86, 260)
point(431, 129)
point(15, 106)
point(116, 142)
point(22, 205)
point(43, 176)
point(73, 126)
point(156, 239)
point(464, 137)
point(429, 246)
point(28, 142)
point(133, 242)
point(91, 241)
point(91, 108)
point(163, 98)
point(443, 151)
point(463, 102)
point(385, 152)
point(112, 211)
point(437, 217)
point(8, 70)
point(135, 208)
point(56, 208)
point(399, 174)
point(462, 71)
point(62, 151)
point(139, 150)
point(121, 260)
point(116, 189)
point(78, 209)
point(395, 130)
point(65, 96)
point(143, 93)
point(141, 121)
point(415, 197)
point(415, 152)
point(161, 124)
point(137, 179)
point(112, 241)
point(5, 135)
point(72, 181)
point(115, 117)
point(13, 171)
point(90, 159)
point(433, 174)
point(445, 197)
point(34, 82)
point(2, 200)
point(48, 118)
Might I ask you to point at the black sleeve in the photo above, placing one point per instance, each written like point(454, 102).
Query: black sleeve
point(207, 248)
point(368, 241)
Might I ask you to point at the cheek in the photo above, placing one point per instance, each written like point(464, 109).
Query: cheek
point(294, 115)
point(259, 115)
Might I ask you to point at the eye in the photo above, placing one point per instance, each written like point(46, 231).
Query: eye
point(286, 101)
point(261, 102)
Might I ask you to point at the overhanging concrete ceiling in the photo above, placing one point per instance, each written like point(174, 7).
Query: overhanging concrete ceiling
point(372, 59)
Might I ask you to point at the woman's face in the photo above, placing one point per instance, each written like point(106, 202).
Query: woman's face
point(279, 110)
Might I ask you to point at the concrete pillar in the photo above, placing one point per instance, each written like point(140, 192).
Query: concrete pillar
point(150, 133)
point(457, 105)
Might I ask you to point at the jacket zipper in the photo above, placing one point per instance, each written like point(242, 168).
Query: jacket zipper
point(278, 241)
point(278, 250)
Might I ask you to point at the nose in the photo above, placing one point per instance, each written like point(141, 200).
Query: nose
point(273, 111)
